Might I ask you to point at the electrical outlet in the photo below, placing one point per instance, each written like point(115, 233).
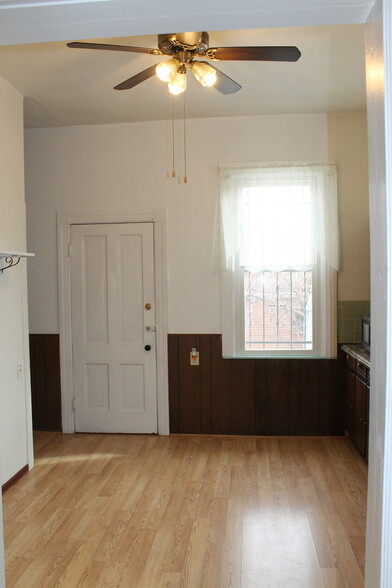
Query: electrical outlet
point(19, 371)
point(194, 357)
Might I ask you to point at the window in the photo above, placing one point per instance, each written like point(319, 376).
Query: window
point(278, 310)
point(280, 244)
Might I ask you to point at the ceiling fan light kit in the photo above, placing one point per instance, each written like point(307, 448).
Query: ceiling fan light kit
point(173, 72)
point(167, 69)
point(204, 73)
point(177, 83)
point(184, 48)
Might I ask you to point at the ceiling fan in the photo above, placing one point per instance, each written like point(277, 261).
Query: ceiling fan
point(184, 48)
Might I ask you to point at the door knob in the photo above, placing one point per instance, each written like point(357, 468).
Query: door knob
point(147, 347)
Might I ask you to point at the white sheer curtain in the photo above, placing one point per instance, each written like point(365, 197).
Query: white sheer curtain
point(276, 218)
point(296, 219)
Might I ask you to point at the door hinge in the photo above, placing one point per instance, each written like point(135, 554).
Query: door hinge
point(69, 249)
point(73, 404)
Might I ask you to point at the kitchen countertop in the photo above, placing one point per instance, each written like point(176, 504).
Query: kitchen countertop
point(358, 352)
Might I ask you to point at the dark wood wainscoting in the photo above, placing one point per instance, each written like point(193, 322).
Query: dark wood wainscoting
point(45, 382)
point(251, 396)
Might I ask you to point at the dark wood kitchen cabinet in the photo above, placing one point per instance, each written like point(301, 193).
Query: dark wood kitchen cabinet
point(362, 417)
point(349, 402)
point(357, 378)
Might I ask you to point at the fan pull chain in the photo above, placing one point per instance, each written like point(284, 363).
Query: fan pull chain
point(174, 167)
point(168, 137)
point(185, 176)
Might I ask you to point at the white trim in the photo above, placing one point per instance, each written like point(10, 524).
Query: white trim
point(64, 222)
point(2, 566)
point(16, 254)
point(7, 4)
point(378, 563)
point(386, 540)
point(26, 364)
point(65, 326)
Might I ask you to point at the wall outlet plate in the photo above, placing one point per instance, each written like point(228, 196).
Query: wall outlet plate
point(194, 357)
point(19, 370)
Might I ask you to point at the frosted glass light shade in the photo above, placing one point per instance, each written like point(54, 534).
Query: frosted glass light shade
point(166, 70)
point(204, 73)
point(177, 84)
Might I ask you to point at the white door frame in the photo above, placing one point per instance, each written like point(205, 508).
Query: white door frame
point(64, 222)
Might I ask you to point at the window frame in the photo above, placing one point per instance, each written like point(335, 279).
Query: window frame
point(324, 312)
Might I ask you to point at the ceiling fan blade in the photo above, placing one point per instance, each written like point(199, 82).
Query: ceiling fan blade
point(255, 53)
point(223, 83)
point(106, 47)
point(142, 76)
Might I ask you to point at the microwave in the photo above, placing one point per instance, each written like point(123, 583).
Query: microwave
point(366, 332)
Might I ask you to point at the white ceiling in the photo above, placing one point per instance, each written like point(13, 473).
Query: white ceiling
point(64, 86)
point(67, 86)
point(34, 21)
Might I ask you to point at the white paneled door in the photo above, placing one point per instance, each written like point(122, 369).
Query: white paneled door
point(113, 328)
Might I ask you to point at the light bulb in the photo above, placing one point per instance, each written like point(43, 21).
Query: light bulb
point(177, 84)
point(175, 90)
point(210, 79)
point(166, 70)
point(204, 73)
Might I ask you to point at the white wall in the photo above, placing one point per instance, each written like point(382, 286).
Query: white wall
point(348, 145)
point(15, 411)
point(123, 169)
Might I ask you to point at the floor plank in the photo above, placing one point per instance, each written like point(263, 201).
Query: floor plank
point(123, 511)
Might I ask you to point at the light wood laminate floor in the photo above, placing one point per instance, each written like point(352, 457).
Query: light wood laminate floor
point(193, 512)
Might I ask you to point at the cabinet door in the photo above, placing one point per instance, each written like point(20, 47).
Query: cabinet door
point(361, 419)
point(349, 403)
point(367, 422)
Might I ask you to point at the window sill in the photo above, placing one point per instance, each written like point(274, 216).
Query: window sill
point(280, 356)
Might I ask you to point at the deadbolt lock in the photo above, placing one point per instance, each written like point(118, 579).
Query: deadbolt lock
point(147, 306)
